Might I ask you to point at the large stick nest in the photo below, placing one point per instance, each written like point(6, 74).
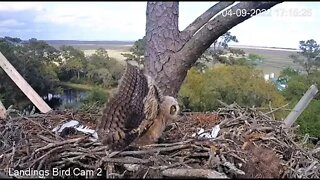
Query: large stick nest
point(249, 144)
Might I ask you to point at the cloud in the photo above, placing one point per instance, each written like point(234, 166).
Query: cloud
point(10, 23)
point(98, 17)
point(296, 12)
point(127, 20)
point(4, 30)
point(279, 27)
point(20, 6)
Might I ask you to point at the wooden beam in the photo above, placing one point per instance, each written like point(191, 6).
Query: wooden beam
point(300, 106)
point(3, 111)
point(23, 85)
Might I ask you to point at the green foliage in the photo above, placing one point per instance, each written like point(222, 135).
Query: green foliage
point(309, 119)
point(116, 69)
point(237, 52)
point(12, 40)
point(222, 53)
point(214, 54)
point(241, 84)
point(297, 85)
point(250, 60)
point(73, 65)
point(137, 52)
point(309, 57)
point(103, 70)
point(224, 40)
point(44, 67)
point(289, 72)
point(242, 62)
point(35, 61)
point(96, 69)
point(254, 59)
point(97, 97)
point(101, 53)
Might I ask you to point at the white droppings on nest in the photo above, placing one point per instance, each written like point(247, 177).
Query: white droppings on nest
point(76, 125)
point(59, 128)
point(212, 135)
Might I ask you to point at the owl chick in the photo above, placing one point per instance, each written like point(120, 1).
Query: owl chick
point(137, 113)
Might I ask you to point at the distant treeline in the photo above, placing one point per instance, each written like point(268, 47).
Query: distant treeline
point(64, 42)
point(44, 67)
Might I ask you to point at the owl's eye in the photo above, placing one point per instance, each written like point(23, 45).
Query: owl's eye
point(173, 109)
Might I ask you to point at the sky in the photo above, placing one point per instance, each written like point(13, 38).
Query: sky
point(125, 21)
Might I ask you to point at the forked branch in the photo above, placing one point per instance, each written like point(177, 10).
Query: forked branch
point(205, 17)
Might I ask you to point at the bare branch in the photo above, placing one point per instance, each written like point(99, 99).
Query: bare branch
point(126, 160)
point(202, 40)
point(194, 173)
point(205, 17)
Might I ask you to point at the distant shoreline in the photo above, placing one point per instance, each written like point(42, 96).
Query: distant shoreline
point(274, 58)
point(130, 43)
point(79, 42)
point(264, 47)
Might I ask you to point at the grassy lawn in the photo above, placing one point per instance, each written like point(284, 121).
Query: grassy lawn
point(111, 52)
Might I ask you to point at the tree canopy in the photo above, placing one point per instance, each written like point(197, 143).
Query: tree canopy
point(309, 56)
point(241, 84)
point(44, 67)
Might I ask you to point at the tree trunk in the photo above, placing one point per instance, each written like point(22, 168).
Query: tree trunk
point(170, 53)
point(162, 42)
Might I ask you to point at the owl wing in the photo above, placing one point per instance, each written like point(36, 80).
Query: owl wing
point(152, 100)
point(151, 109)
point(125, 109)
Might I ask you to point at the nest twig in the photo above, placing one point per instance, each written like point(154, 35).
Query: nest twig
point(250, 144)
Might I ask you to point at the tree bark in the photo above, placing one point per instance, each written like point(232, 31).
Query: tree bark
point(170, 53)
